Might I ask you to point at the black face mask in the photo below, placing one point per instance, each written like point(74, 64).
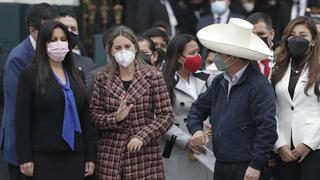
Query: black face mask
point(147, 58)
point(161, 56)
point(265, 40)
point(74, 39)
point(298, 46)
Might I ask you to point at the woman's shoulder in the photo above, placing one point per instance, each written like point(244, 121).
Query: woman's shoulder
point(102, 76)
point(151, 72)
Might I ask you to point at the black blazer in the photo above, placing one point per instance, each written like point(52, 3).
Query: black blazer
point(39, 117)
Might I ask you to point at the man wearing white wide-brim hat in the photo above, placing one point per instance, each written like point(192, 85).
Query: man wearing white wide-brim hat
point(240, 103)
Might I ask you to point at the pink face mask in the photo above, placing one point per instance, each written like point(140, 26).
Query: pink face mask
point(57, 50)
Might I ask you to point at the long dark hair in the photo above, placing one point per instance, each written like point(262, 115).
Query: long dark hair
point(41, 57)
point(311, 59)
point(174, 51)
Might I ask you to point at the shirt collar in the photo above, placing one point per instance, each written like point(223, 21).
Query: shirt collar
point(33, 42)
point(236, 77)
point(223, 17)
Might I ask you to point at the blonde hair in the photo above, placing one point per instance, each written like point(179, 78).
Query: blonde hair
point(113, 66)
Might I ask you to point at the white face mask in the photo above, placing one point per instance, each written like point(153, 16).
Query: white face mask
point(219, 7)
point(124, 57)
point(248, 6)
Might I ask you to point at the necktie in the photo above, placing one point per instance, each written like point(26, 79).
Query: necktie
point(218, 20)
point(266, 71)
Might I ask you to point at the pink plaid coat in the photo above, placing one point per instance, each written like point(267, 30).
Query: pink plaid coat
point(151, 116)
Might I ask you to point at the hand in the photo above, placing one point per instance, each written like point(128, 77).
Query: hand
point(134, 145)
point(89, 168)
point(301, 151)
point(27, 168)
point(251, 174)
point(285, 154)
point(209, 131)
point(197, 141)
point(123, 109)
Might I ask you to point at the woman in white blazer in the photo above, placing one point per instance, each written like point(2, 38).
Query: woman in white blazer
point(296, 79)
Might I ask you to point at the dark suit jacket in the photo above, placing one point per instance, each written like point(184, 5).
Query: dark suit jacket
point(40, 115)
point(18, 59)
point(209, 19)
point(281, 16)
point(83, 63)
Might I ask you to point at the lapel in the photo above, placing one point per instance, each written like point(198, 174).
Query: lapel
point(284, 84)
point(55, 85)
point(199, 83)
point(180, 87)
point(299, 89)
point(138, 86)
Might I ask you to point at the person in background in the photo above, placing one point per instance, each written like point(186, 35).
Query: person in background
point(148, 50)
point(159, 37)
point(220, 14)
point(82, 63)
point(184, 82)
point(262, 27)
point(240, 103)
point(194, 10)
point(286, 10)
point(18, 59)
point(53, 130)
point(131, 109)
point(296, 80)
point(243, 7)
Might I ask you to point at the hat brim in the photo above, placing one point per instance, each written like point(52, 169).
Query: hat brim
point(218, 38)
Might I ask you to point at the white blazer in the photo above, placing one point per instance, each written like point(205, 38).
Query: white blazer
point(301, 115)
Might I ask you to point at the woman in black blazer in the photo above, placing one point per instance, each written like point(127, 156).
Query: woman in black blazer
point(53, 132)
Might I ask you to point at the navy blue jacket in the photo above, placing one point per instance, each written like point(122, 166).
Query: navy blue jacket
point(244, 125)
point(19, 58)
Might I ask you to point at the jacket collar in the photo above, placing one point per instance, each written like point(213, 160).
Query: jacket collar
point(200, 82)
point(299, 86)
point(138, 86)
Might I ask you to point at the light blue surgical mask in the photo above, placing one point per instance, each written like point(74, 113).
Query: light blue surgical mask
point(221, 64)
point(219, 7)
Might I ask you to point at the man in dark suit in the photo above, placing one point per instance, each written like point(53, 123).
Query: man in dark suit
point(286, 10)
point(19, 57)
point(220, 14)
point(82, 63)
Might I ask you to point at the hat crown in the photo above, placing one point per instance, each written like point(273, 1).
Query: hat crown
point(235, 38)
point(240, 31)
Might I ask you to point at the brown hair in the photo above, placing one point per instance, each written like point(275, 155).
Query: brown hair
point(113, 66)
point(311, 59)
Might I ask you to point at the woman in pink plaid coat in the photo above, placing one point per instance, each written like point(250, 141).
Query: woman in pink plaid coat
point(130, 108)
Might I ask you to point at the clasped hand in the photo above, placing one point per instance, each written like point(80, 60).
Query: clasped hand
point(197, 141)
point(300, 152)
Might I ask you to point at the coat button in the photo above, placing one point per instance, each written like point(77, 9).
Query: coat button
point(292, 108)
point(185, 120)
point(182, 104)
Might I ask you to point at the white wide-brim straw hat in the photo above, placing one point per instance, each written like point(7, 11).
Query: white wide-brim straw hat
point(235, 38)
